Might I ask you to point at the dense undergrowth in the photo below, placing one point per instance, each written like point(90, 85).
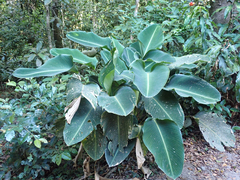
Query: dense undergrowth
point(32, 118)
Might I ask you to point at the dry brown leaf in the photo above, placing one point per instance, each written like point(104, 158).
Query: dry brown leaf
point(72, 108)
point(86, 167)
point(146, 171)
point(139, 154)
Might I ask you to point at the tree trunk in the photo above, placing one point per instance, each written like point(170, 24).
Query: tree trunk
point(48, 27)
point(56, 28)
point(219, 16)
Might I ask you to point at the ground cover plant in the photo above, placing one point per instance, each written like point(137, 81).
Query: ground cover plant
point(133, 98)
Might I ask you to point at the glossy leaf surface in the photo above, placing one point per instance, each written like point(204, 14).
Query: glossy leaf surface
point(116, 130)
point(118, 156)
point(88, 39)
point(165, 106)
point(159, 56)
point(190, 86)
point(122, 103)
point(149, 83)
point(164, 140)
point(151, 38)
point(57, 65)
point(95, 144)
point(82, 124)
point(77, 55)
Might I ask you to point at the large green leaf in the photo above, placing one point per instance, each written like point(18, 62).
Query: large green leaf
point(88, 39)
point(82, 124)
point(149, 83)
point(189, 59)
point(118, 156)
point(138, 47)
point(164, 140)
point(116, 130)
point(78, 56)
point(215, 130)
point(95, 144)
point(151, 38)
point(106, 76)
point(122, 103)
point(190, 86)
point(129, 56)
point(165, 106)
point(159, 56)
point(106, 56)
point(57, 65)
point(125, 75)
point(89, 91)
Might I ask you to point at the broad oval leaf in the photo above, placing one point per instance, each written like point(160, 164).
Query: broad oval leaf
point(57, 65)
point(149, 83)
point(118, 156)
point(215, 130)
point(116, 129)
point(164, 140)
point(106, 76)
point(119, 66)
point(151, 38)
point(159, 56)
point(88, 39)
point(165, 106)
point(95, 144)
point(190, 86)
point(138, 47)
point(189, 59)
point(125, 75)
point(121, 104)
point(77, 55)
point(82, 124)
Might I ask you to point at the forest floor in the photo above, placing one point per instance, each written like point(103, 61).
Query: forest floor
point(201, 162)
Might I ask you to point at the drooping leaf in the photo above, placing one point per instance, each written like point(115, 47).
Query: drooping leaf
point(189, 59)
point(129, 56)
point(139, 154)
point(119, 156)
point(83, 122)
point(72, 109)
point(122, 103)
point(57, 65)
point(149, 83)
point(116, 129)
point(159, 56)
point(215, 131)
point(88, 39)
point(151, 38)
point(106, 76)
point(90, 91)
point(95, 144)
point(191, 86)
point(106, 55)
point(164, 140)
point(165, 106)
point(77, 55)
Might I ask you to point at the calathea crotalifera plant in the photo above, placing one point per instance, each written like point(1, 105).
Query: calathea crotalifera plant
point(133, 97)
